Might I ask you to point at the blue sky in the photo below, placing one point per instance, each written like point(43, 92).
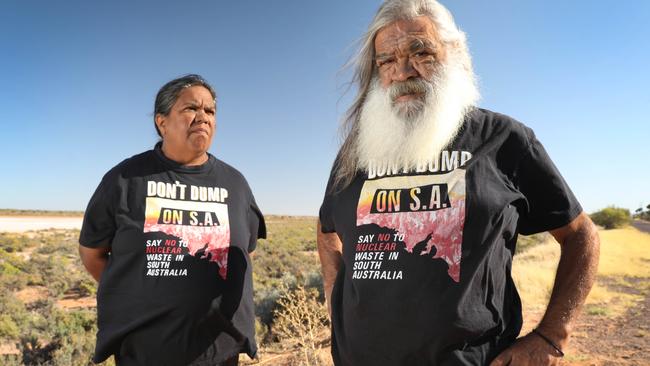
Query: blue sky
point(78, 80)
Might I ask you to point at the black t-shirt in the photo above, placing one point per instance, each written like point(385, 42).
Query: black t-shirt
point(178, 284)
point(427, 255)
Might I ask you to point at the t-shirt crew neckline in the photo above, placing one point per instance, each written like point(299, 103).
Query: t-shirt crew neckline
point(176, 166)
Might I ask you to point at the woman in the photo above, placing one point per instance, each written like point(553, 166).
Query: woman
point(168, 235)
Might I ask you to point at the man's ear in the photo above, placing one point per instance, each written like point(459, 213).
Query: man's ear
point(161, 123)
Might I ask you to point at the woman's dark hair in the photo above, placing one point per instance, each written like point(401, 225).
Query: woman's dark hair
point(168, 94)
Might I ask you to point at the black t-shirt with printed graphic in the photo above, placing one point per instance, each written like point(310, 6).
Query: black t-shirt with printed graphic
point(427, 255)
point(178, 284)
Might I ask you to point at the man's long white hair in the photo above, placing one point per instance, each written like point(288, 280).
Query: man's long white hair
point(454, 95)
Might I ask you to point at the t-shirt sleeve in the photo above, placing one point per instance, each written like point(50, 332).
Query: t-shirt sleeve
point(325, 214)
point(99, 225)
point(550, 203)
point(256, 224)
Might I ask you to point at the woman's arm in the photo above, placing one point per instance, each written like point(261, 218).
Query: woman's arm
point(94, 259)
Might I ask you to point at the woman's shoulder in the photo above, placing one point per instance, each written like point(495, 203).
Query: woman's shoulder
point(225, 168)
point(133, 166)
point(229, 171)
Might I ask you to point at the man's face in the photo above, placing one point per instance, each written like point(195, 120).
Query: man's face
point(407, 55)
point(190, 124)
point(416, 102)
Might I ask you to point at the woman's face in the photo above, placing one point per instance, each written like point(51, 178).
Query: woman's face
point(190, 124)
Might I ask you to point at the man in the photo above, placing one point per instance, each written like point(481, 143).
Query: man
point(426, 198)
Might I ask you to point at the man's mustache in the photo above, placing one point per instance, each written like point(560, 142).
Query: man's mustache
point(411, 86)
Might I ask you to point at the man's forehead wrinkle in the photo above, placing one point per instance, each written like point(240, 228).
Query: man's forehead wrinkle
point(395, 37)
point(405, 43)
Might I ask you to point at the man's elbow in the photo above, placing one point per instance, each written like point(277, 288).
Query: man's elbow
point(584, 241)
point(587, 234)
point(580, 231)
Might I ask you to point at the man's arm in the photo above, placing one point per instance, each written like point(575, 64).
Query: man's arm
point(576, 272)
point(94, 259)
point(330, 251)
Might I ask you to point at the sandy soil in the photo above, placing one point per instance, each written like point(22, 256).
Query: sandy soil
point(32, 294)
point(27, 223)
point(602, 341)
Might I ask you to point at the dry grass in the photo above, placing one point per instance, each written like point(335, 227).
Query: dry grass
point(533, 272)
point(300, 322)
point(625, 252)
point(624, 265)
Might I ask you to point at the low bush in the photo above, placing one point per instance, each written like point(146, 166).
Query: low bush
point(612, 217)
point(300, 320)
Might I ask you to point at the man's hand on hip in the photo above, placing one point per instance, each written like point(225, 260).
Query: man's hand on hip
point(530, 350)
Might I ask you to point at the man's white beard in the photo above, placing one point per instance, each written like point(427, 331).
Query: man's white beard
point(389, 140)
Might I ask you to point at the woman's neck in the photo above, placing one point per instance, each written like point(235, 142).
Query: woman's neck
point(186, 158)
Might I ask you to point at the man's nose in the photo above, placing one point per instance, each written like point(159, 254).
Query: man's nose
point(404, 70)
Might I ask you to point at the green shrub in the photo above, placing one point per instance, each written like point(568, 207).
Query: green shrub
point(13, 273)
point(54, 336)
point(10, 242)
point(11, 360)
point(612, 217)
point(266, 302)
point(13, 317)
point(74, 336)
point(8, 327)
point(314, 280)
point(261, 331)
point(87, 287)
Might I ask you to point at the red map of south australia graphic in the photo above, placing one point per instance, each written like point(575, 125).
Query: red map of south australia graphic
point(425, 208)
point(202, 227)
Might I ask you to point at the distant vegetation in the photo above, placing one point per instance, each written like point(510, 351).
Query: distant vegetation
point(15, 212)
point(612, 217)
point(642, 214)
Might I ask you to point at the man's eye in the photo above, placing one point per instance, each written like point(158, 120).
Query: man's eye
point(384, 63)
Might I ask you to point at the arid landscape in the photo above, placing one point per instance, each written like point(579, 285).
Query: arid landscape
point(47, 305)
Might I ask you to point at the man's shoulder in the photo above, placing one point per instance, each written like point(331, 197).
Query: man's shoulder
point(492, 119)
point(493, 125)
